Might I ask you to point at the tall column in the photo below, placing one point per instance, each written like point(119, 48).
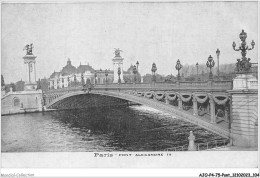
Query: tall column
point(26, 74)
point(34, 72)
point(212, 111)
point(195, 106)
point(29, 67)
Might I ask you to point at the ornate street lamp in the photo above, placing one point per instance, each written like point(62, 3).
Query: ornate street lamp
point(106, 74)
point(218, 52)
point(154, 69)
point(197, 66)
point(95, 77)
point(243, 65)
point(137, 64)
point(119, 73)
point(134, 72)
point(210, 63)
point(75, 80)
point(82, 79)
point(178, 67)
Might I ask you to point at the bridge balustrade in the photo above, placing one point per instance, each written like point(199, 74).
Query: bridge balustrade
point(193, 85)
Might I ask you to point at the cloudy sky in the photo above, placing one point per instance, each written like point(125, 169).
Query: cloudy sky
point(147, 32)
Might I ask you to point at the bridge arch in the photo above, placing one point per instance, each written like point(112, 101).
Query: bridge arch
point(180, 114)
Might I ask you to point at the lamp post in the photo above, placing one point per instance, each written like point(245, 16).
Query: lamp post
point(218, 52)
point(178, 67)
point(154, 69)
point(197, 66)
point(82, 80)
point(68, 81)
point(106, 74)
point(137, 64)
point(134, 72)
point(75, 80)
point(243, 65)
point(95, 77)
point(210, 63)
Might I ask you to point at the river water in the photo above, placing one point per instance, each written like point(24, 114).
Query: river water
point(124, 128)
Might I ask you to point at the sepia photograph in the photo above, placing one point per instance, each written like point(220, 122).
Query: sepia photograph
point(125, 81)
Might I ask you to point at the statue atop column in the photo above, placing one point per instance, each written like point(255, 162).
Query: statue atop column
point(117, 52)
point(28, 49)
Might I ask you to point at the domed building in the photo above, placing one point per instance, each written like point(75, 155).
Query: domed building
point(68, 69)
point(71, 76)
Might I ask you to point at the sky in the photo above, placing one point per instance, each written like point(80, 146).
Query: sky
point(147, 32)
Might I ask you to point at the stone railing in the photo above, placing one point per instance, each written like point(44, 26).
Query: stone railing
point(194, 85)
point(208, 85)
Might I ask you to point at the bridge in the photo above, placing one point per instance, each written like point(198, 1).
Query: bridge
point(205, 103)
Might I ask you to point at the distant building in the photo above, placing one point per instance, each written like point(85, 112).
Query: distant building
point(71, 76)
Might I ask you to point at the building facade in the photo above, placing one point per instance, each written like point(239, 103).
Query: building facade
point(71, 76)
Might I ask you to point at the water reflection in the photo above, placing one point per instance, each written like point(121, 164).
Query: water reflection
point(134, 128)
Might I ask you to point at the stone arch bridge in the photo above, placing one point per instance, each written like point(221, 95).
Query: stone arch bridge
point(206, 104)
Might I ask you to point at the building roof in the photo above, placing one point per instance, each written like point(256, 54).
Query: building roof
point(84, 68)
point(100, 71)
point(55, 74)
point(68, 69)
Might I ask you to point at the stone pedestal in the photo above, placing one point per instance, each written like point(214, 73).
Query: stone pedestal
point(244, 82)
point(30, 72)
point(244, 111)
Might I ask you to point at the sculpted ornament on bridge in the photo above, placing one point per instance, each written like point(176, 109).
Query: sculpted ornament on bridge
point(117, 52)
point(28, 49)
